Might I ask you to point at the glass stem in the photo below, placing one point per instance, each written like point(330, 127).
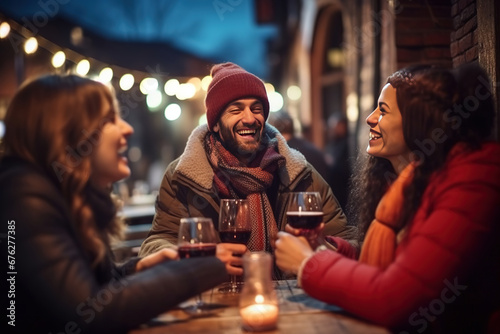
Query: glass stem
point(234, 285)
point(199, 301)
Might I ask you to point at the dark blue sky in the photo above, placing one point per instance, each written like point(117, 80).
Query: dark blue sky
point(218, 31)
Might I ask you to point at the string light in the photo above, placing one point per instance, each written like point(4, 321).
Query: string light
point(106, 75)
point(154, 99)
point(58, 59)
point(83, 67)
point(269, 87)
point(185, 91)
point(148, 86)
point(4, 29)
point(205, 82)
point(173, 111)
point(203, 119)
point(294, 92)
point(127, 81)
point(31, 45)
point(196, 82)
point(275, 101)
point(171, 87)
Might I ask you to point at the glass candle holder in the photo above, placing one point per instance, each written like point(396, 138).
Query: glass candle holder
point(258, 301)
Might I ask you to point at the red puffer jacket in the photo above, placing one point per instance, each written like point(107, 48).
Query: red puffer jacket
point(445, 276)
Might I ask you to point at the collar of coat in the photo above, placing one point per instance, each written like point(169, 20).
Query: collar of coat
point(193, 163)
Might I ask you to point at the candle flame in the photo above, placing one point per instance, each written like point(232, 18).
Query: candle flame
point(259, 299)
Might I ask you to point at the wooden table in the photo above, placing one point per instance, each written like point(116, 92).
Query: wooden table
point(298, 314)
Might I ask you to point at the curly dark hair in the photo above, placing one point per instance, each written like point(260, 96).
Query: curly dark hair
point(439, 108)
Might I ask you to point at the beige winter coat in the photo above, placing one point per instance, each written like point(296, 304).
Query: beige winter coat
point(187, 190)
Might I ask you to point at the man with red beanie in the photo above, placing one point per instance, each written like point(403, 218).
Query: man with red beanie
point(238, 155)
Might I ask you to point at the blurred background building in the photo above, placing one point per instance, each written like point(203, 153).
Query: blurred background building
point(320, 59)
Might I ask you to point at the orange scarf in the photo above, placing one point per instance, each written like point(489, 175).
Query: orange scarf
point(379, 246)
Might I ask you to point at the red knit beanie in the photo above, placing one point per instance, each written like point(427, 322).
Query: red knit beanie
point(229, 83)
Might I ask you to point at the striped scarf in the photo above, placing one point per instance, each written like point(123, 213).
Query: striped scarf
point(379, 246)
point(233, 180)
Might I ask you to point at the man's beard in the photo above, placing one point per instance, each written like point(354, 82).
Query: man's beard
point(238, 150)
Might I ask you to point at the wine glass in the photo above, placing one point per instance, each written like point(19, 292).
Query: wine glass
point(305, 213)
point(234, 227)
point(197, 238)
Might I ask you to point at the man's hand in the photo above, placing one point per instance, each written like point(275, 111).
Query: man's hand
point(228, 253)
point(156, 258)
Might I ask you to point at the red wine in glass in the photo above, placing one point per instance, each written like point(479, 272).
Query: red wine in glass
point(189, 251)
point(305, 213)
point(304, 219)
point(235, 236)
point(196, 238)
point(234, 227)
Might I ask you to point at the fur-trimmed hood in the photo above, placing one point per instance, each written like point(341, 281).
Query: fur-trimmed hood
point(194, 164)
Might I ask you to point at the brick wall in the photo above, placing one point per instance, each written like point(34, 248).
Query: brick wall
point(423, 31)
point(464, 42)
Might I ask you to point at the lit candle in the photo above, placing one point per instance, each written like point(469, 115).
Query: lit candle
point(259, 317)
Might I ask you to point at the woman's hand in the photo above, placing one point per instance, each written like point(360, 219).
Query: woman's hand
point(312, 236)
point(154, 259)
point(228, 253)
point(291, 251)
point(298, 231)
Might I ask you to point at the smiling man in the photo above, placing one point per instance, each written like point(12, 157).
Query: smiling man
point(238, 155)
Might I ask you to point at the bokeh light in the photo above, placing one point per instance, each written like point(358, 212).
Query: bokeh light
point(127, 81)
point(58, 59)
point(275, 101)
point(173, 111)
point(205, 82)
point(4, 29)
point(148, 85)
point(294, 92)
point(106, 75)
point(31, 45)
point(269, 87)
point(202, 119)
point(154, 99)
point(171, 87)
point(83, 67)
point(196, 82)
point(185, 91)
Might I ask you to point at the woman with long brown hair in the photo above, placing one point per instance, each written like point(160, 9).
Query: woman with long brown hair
point(63, 149)
point(427, 204)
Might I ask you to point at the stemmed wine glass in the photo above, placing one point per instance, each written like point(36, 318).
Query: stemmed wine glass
point(305, 212)
point(234, 227)
point(197, 238)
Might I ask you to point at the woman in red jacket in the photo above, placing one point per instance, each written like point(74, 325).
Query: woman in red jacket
point(428, 207)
